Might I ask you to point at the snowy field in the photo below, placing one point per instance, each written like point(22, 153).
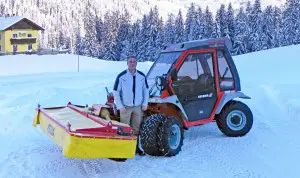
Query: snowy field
point(271, 149)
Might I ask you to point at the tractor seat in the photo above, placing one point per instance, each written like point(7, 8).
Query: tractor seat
point(204, 82)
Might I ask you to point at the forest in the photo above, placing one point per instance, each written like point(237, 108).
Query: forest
point(113, 35)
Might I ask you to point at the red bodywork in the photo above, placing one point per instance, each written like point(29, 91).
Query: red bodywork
point(220, 94)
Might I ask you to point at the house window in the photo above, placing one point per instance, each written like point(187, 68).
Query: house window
point(0, 48)
point(15, 48)
point(29, 35)
point(30, 47)
point(15, 35)
point(0, 36)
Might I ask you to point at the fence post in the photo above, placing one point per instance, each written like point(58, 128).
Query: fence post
point(78, 63)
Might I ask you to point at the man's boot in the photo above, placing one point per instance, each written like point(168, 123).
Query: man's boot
point(139, 149)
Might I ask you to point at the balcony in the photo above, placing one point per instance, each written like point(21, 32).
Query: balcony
point(23, 40)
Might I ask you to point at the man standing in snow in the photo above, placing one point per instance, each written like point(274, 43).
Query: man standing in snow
point(131, 95)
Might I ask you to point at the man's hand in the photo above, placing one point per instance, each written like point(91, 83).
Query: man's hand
point(144, 108)
point(123, 110)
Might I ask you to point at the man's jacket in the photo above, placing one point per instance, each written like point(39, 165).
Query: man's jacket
point(131, 90)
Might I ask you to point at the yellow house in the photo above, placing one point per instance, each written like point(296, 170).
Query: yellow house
point(18, 34)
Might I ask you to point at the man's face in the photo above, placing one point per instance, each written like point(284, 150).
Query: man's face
point(131, 63)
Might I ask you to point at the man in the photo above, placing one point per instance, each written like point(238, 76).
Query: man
point(131, 95)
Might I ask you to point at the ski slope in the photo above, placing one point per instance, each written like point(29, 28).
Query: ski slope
point(271, 149)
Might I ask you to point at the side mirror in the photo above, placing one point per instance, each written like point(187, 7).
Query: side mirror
point(173, 74)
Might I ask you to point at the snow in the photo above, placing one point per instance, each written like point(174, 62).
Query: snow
point(271, 148)
point(8, 21)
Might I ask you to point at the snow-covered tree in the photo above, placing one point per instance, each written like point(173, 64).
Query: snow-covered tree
point(160, 38)
point(169, 30)
point(110, 31)
point(255, 21)
point(277, 22)
point(230, 22)
point(2, 10)
point(190, 22)
point(110, 28)
point(201, 23)
point(291, 22)
point(179, 28)
point(221, 22)
point(209, 25)
point(143, 54)
point(241, 35)
point(123, 37)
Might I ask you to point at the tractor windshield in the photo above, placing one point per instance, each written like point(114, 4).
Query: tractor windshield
point(161, 66)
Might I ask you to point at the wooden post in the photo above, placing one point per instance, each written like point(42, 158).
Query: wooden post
point(78, 63)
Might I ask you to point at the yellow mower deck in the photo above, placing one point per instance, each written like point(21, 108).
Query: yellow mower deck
point(81, 135)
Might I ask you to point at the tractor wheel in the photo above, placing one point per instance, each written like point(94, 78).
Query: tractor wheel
point(235, 119)
point(149, 134)
point(171, 133)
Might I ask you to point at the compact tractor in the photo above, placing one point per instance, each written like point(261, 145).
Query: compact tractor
point(190, 84)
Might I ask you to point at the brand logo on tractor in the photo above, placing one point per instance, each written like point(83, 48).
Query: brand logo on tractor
point(50, 129)
point(205, 96)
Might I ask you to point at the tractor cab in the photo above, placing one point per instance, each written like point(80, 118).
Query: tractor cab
point(196, 72)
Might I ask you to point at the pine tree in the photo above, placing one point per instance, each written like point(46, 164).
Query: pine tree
point(201, 23)
point(122, 38)
point(230, 22)
point(90, 38)
point(291, 22)
point(169, 30)
point(209, 25)
point(111, 22)
point(154, 27)
point(135, 41)
point(241, 36)
point(143, 55)
point(2, 10)
point(221, 22)
point(255, 21)
point(277, 20)
point(78, 44)
point(100, 36)
point(190, 22)
point(179, 28)
point(268, 27)
point(160, 38)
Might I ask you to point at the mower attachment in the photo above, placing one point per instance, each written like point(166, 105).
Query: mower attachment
point(81, 134)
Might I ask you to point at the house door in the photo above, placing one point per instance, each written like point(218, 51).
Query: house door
point(15, 48)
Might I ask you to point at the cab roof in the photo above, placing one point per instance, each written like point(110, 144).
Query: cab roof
point(200, 44)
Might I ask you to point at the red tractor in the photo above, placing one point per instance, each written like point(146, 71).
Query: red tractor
point(192, 83)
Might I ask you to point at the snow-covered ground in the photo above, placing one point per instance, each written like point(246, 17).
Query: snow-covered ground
point(271, 149)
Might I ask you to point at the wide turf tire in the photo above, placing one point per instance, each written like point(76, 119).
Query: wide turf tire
point(235, 119)
point(149, 134)
point(171, 135)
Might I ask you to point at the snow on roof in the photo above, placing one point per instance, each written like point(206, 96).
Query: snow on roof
point(6, 22)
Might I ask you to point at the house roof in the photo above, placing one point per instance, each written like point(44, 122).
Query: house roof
point(6, 22)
